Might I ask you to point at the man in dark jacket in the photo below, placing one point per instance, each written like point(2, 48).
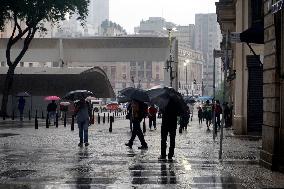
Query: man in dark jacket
point(139, 111)
point(169, 126)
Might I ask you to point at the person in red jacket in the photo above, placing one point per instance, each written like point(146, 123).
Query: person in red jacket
point(152, 111)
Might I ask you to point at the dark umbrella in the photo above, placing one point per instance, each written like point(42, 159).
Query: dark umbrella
point(23, 94)
point(122, 99)
point(189, 100)
point(162, 96)
point(135, 94)
point(77, 95)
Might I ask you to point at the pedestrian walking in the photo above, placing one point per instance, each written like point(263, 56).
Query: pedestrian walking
point(169, 126)
point(152, 113)
point(129, 116)
point(200, 115)
point(218, 112)
point(138, 113)
point(21, 106)
point(184, 120)
point(83, 113)
point(51, 110)
point(207, 108)
point(226, 114)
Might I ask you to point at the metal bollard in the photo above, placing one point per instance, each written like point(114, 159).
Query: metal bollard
point(56, 119)
point(104, 118)
point(65, 119)
point(110, 124)
point(30, 115)
point(4, 116)
point(108, 117)
point(72, 123)
point(47, 121)
point(42, 116)
point(144, 126)
point(36, 121)
point(13, 115)
point(99, 119)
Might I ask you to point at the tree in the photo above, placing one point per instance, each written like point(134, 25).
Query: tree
point(27, 18)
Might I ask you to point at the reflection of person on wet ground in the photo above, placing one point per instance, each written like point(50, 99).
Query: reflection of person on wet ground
point(84, 114)
point(169, 126)
point(21, 106)
point(83, 177)
point(139, 110)
point(165, 172)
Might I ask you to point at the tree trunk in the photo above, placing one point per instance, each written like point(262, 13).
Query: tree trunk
point(6, 89)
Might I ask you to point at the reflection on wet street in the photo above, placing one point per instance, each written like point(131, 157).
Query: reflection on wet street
point(49, 158)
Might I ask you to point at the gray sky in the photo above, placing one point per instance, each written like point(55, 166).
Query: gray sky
point(129, 13)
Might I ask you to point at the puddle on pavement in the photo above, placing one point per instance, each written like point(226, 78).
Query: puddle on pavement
point(16, 173)
point(2, 135)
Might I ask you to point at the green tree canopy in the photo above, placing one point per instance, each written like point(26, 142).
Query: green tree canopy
point(28, 17)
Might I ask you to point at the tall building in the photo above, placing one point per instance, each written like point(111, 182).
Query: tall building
point(185, 35)
point(208, 37)
point(98, 12)
point(189, 61)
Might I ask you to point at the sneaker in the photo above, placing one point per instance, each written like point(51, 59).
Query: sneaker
point(80, 144)
point(143, 147)
point(86, 144)
point(128, 144)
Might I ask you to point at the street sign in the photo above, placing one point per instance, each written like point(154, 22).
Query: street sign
point(221, 53)
point(277, 6)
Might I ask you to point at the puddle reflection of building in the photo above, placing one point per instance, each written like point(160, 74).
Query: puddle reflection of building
point(168, 174)
point(82, 174)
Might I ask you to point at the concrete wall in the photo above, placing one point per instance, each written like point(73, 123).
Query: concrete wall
point(272, 153)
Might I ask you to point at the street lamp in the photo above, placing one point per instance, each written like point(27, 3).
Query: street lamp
point(185, 64)
point(170, 61)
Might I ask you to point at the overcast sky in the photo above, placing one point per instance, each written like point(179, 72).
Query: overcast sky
point(129, 13)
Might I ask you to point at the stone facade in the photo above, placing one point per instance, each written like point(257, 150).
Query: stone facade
point(272, 153)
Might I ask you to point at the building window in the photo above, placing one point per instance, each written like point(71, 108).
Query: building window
point(3, 64)
point(21, 64)
point(55, 64)
point(157, 77)
point(157, 68)
point(256, 12)
point(123, 76)
point(30, 64)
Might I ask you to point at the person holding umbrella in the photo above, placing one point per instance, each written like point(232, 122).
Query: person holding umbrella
point(83, 113)
point(139, 111)
point(21, 106)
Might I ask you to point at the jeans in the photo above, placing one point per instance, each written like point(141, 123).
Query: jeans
point(83, 131)
point(137, 131)
point(52, 115)
point(165, 130)
point(152, 119)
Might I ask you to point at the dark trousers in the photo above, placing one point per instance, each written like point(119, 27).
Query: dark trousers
point(200, 119)
point(152, 120)
point(165, 130)
point(136, 131)
point(218, 121)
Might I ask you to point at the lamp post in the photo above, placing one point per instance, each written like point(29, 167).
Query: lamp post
point(170, 60)
point(185, 65)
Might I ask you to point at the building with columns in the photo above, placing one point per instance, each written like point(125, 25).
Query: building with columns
point(257, 90)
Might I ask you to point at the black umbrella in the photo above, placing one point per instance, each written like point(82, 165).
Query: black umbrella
point(23, 94)
point(189, 100)
point(122, 99)
point(135, 94)
point(77, 95)
point(161, 97)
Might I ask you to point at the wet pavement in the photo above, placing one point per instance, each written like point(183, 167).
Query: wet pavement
point(49, 158)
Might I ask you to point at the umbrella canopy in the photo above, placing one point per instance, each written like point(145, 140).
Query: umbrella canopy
point(135, 94)
point(23, 94)
point(64, 103)
point(77, 95)
point(204, 98)
point(122, 99)
point(52, 98)
point(189, 100)
point(162, 96)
